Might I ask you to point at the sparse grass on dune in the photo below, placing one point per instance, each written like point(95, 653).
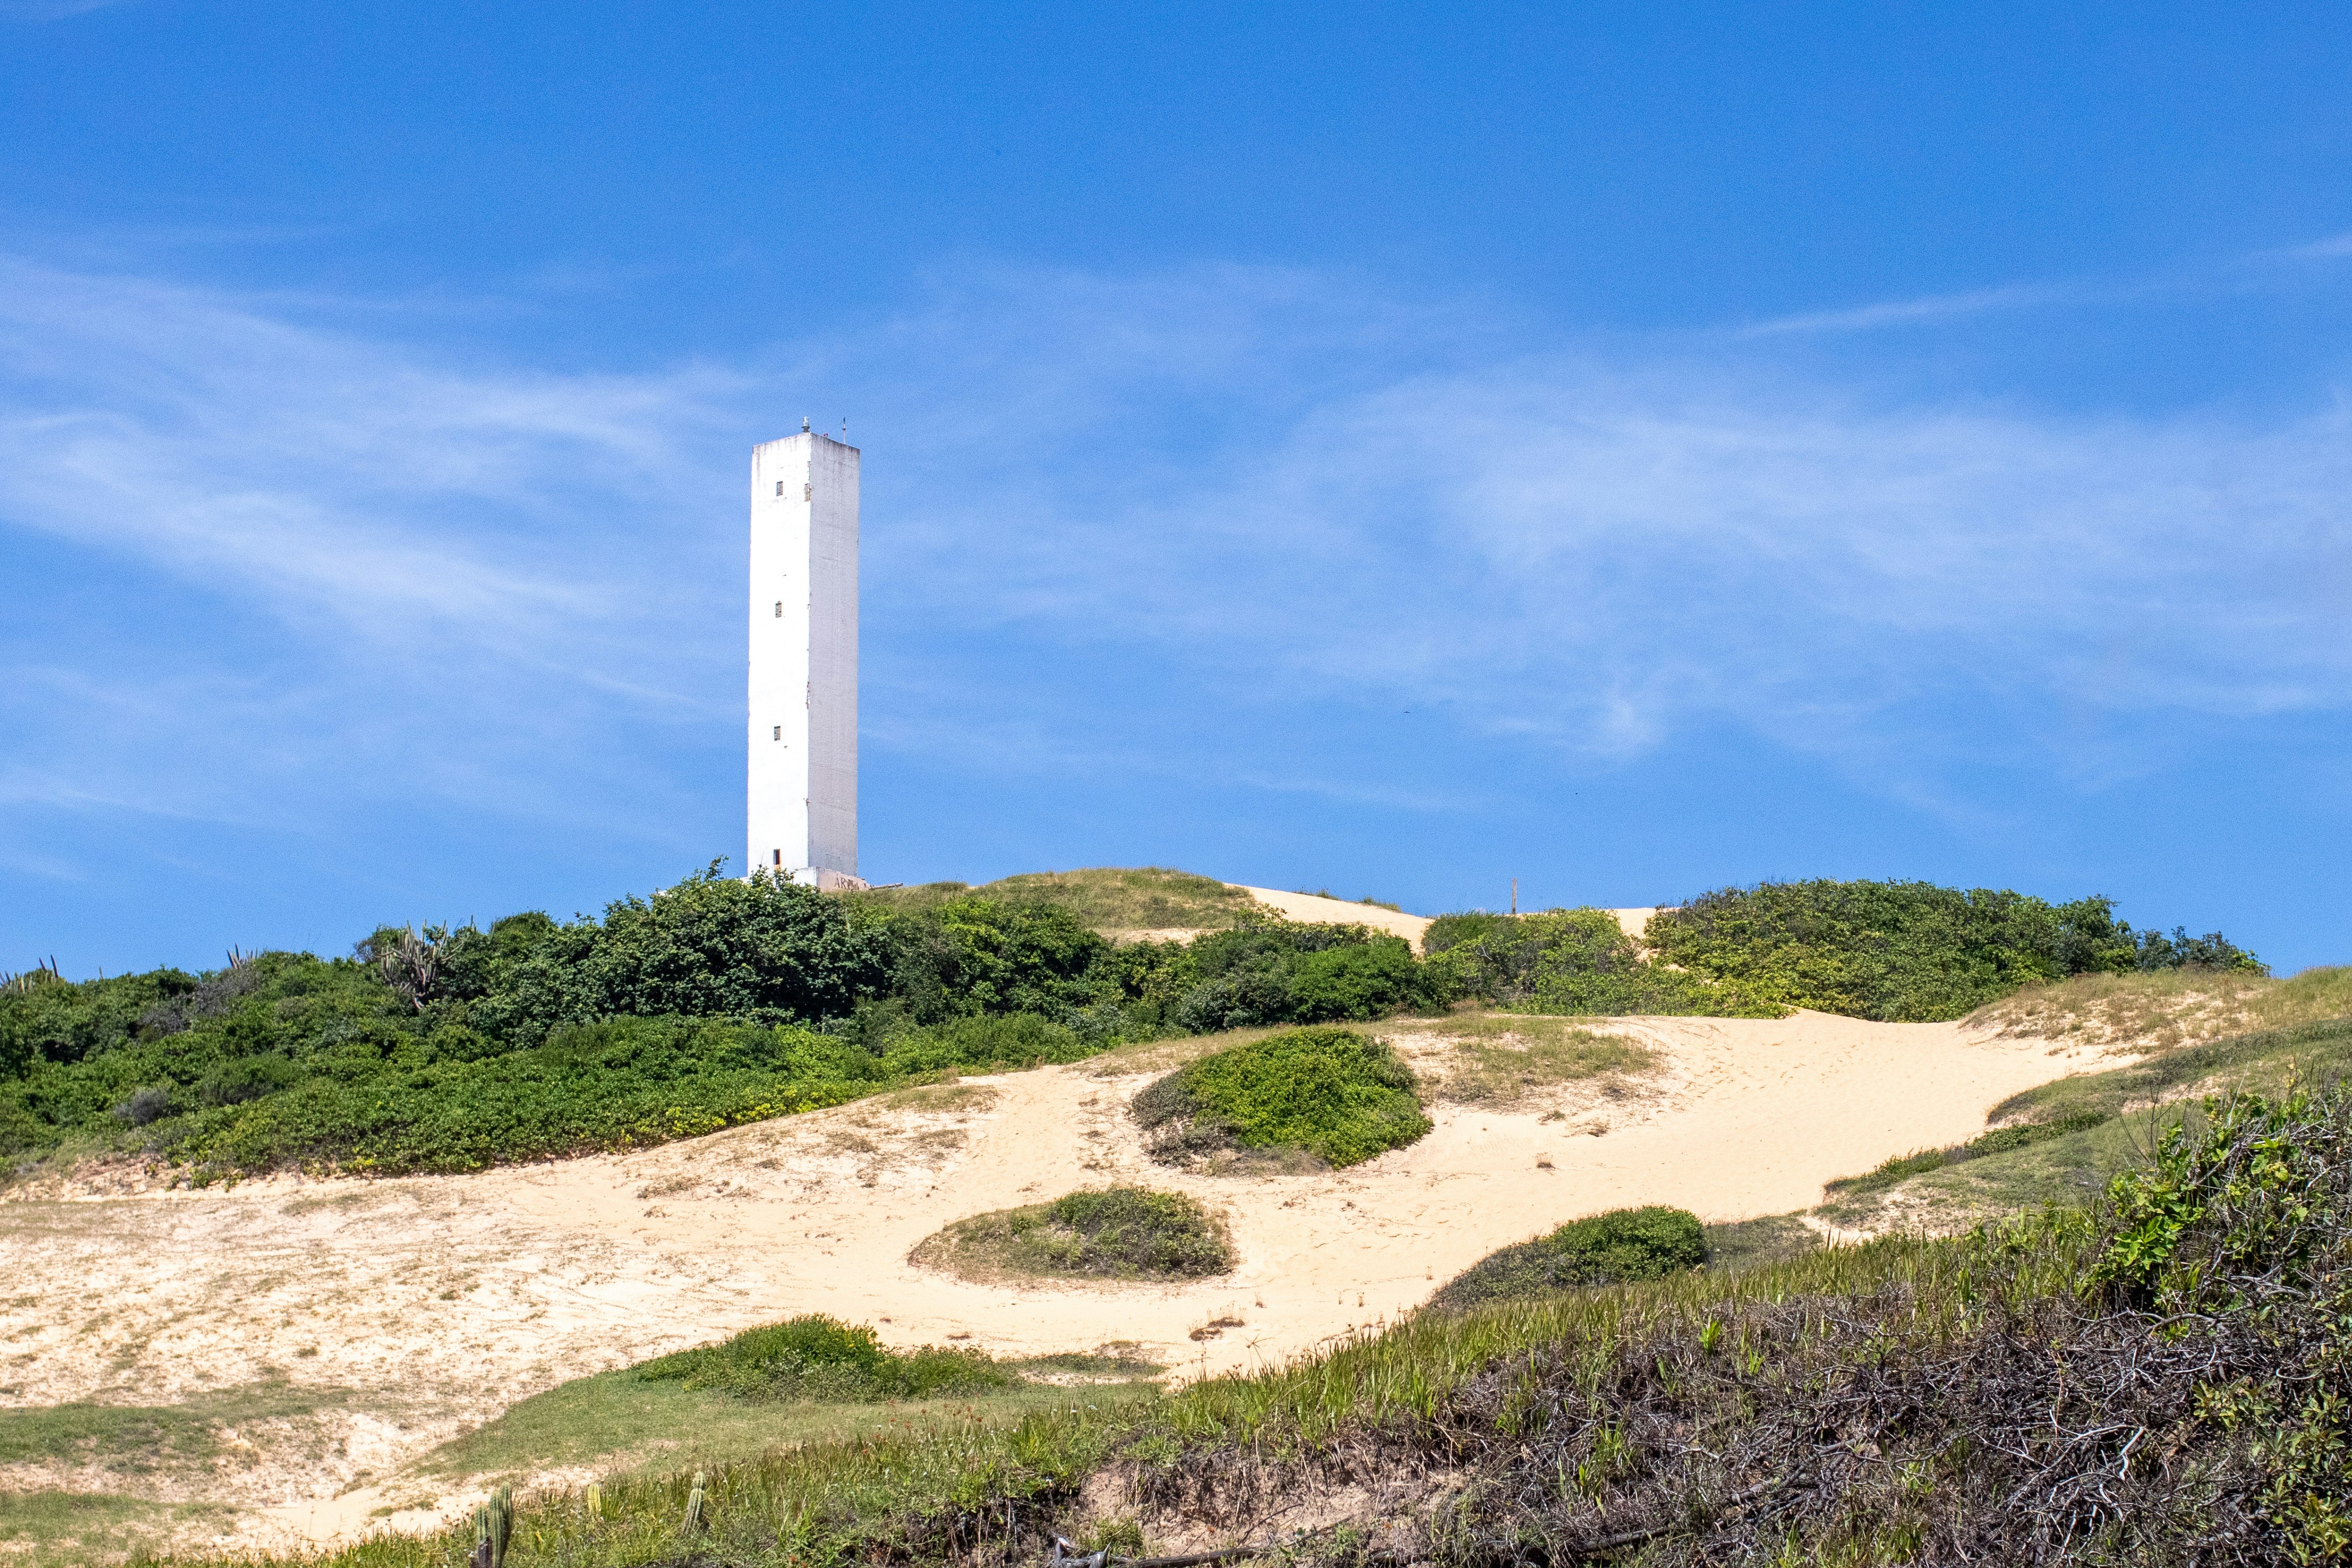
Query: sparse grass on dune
point(2163, 1009)
point(54, 1529)
point(1108, 898)
point(1166, 1055)
point(1506, 1059)
point(2064, 1140)
point(618, 1422)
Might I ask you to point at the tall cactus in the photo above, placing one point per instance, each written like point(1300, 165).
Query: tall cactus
point(595, 1500)
point(694, 1505)
point(493, 1528)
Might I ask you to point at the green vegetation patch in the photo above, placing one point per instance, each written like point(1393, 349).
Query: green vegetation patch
point(1910, 952)
point(1612, 1248)
point(2269, 1060)
point(1999, 1141)
point(617, 1421)
point(144, 1441)
point(1116, 1233)
point(1334, 1095)
point(1753, 1242)
point(817, 1358)
point(50, 1529)
point(1574, 963)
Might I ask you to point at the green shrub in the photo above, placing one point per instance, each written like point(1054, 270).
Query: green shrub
point(1118, 1233)
point(1616, 1247)
point(765, 949)
point(821, 1358)
point(1330, 1093)
point(1571, 961)
point(1906, 951)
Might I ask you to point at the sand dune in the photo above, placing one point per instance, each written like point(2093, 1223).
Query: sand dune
point(442, 1299)
point(1317, 909)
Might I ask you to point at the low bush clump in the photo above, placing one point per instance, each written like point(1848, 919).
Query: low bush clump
point(1612, 1248)
point(1911, 951)
point(824, 1359)
point(1118, 1233)
point(1331, 1095)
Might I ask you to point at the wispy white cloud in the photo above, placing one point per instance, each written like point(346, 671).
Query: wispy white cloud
point(1275, 495)
point(51, 10)
point(1927, 309)
point(387, 492)
point(1602, 549)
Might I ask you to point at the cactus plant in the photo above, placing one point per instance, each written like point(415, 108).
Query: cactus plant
point(694, 1505)
point(498, 1525)
point(595, 1500)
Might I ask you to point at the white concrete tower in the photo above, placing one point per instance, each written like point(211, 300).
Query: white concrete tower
point(803, 775)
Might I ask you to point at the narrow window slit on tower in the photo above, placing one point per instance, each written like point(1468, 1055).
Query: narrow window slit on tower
point(779, 487)
point(779, 732)
point(808, 492)
point(780, 609)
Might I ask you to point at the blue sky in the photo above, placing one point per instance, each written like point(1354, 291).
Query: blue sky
point(1374, 448)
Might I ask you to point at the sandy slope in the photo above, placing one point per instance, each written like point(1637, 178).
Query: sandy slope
point(1315, 910)
point(440, 1300)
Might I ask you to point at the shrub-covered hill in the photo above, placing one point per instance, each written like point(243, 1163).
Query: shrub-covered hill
point(713, 1002)
point(1894, 952)
point(718, 1000)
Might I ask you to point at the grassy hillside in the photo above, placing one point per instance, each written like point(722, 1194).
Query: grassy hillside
point(2159, 1377)
point(1108, 898)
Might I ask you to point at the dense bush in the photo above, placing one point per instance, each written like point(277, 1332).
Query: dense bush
point(1907, 951)
point(1330, 1093)
point(615, 1084)
point(1117, 1233)
point(449, 1049)
point(820, 1358)
point(1571, 961)
point(1267, 971)
point(1620, 1245)
point(712, 1001)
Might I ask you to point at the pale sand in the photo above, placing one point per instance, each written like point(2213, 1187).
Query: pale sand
point(445, 1299)
point(1317, 910)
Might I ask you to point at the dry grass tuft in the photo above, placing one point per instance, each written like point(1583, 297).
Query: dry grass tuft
point(942, 1099)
